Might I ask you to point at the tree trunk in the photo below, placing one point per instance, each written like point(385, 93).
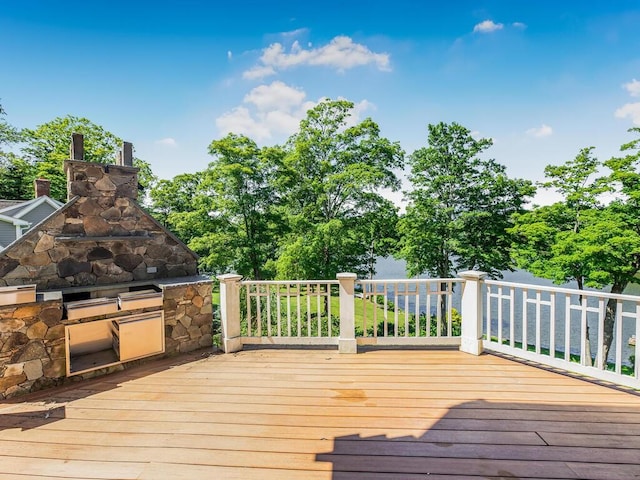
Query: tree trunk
point(610, 320)
point(442, 306)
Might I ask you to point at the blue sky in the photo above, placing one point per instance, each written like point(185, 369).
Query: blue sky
point(543, 79)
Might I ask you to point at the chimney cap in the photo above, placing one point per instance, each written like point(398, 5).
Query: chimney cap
point(42, 187)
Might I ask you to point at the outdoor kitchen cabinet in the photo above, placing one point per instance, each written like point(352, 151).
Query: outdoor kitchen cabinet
point(137, 336)
point(104, 343)
point(17, 294)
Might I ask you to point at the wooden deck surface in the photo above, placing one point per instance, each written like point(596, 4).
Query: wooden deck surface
point(319, 415)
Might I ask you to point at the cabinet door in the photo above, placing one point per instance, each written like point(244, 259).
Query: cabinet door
point(141, 336)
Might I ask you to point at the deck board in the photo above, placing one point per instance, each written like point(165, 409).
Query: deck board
point(319, 415)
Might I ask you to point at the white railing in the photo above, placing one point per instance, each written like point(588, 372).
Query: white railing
point(289, 312)
point(409, 312)
point(542, 324)
point(564, 328)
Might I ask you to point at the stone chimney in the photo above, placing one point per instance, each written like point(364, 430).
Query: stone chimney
point(42, 187)
point(97, 180)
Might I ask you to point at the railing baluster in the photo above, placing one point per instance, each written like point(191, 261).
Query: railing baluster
point(525, 301)
point(552, 326)
point(567, 328)
point(512, 317)
point(500, 300)
point(538, 333)
point(449, 309)
point(601, 362)
point(583, 331)
point(279, 309)
point(428, 307)
point(258, 312)
point(406, 309)
point(288, 309)
point(328, 296)
point(268, 290)
point(248, 290)
point(417, 311)
point(299, 309)
point(319, 312)
point(375, 311)
point(395, 310)
point(619, 339)
point(386, 311)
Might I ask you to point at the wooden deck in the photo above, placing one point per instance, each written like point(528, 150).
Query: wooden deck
point(318, 415)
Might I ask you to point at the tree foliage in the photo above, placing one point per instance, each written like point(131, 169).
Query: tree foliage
point(44, 149)
point(550, 239)
point(330, 179)
point(460, 207)
point(580, 238)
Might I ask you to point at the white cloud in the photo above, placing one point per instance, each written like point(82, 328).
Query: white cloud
point(258, 72)
point(276, 95)
point(633, 87)
point(540, 132)
point(519, 25)
point(295, 33)
point(341, 53)
point(167, 142)
point(631, 110)
point(487, 26)
point(275, 110)
point(240, 121)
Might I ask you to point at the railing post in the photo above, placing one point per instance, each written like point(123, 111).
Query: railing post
point(230, 312)
point(347, 340)
point(471, 329)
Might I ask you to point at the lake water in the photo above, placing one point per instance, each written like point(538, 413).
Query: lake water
point(389, 268)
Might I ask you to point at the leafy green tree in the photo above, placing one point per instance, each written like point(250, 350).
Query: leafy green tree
point(173, 196)
point(227, 213)
point(460, 207)
point(240, 182)
point(581, 239)
point(549, 239)
point(13, 169)
point(13, 172)
point(378, 230)
point(8, 134)
point(329, 181)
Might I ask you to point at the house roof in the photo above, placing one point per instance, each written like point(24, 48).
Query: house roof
point(20, 208)
point(9, 203)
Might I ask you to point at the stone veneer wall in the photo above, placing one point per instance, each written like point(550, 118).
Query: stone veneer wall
point(32, 350)
point(32, 337)
point(100, 237)
point(188, 317)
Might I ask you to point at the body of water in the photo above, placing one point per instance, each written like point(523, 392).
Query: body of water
point(389, 268)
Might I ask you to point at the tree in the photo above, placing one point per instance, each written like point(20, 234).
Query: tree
point(240, 180)
point(227, 213)
point(460, 207)
point(173, 196)
point(549, 237)
point(378, 230)
point(581, 239)
point(329, 181)
point(8, 134)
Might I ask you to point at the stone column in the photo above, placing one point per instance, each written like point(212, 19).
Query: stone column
point(471, 341)
point(347, 341)
point(230, 312)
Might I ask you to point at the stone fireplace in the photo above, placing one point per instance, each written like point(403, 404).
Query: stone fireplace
point(100, 245)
